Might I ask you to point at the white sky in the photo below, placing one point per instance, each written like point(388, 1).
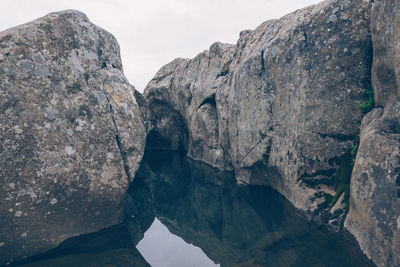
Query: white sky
point(151, 33)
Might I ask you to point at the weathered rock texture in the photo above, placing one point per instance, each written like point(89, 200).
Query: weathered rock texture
point(70, 133)
point(374, 217)
point(386, 39)
point(280, 108)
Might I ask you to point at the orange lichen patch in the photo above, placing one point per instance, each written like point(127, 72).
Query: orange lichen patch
point(116, 96)
point(20, 50)
point(108, 88)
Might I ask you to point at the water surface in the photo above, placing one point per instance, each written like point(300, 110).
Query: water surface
point(182, 213)
point(233, 225)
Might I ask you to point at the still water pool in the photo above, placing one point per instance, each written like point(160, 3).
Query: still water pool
point(182, 213)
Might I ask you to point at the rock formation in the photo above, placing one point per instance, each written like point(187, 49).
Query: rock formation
point(71, 134)
point(280, 108)
point(374, 217)
point(386, 37)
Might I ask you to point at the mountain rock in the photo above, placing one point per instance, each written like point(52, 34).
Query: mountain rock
point(280, 108)
point(386, 39)
point(374, 216)
point(71, 134)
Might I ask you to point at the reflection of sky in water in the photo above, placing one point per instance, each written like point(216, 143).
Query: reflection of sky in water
point(160, 248)
point(228, 224)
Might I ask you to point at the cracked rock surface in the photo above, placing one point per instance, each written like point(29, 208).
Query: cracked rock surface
point(71, 135)
point(374, 216)
point(280, 107)
point(386, 39)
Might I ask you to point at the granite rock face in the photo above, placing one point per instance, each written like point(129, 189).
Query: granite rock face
point(71, 135)
point(374, 216)
point(386, 39)
point(279, 108)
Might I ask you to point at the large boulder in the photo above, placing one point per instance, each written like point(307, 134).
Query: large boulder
point(280, 108)
point(71, 134)
point(374, 216)
point(385, 21)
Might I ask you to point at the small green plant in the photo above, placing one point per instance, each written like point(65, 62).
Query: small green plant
point(354, 148)
point(368, 105)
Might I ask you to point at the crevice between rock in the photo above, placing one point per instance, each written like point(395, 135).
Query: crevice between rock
point(337, 136)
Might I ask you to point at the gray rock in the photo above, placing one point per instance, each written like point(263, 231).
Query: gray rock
point(280, 108)
point(385, 21)
point(71, 134)
point(374, 216)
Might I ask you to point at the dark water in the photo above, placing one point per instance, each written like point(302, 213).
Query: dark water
point(181, 213)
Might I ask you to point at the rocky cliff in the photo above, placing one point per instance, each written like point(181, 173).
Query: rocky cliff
point(386, 37)
point(374, 217)
point(280, 108)
point(70, 132)
point(283, 108)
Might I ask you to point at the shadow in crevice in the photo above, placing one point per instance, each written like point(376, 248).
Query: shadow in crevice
point(167, 129)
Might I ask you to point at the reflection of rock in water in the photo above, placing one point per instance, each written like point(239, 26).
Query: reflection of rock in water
point(111, 247)
point(246, 226)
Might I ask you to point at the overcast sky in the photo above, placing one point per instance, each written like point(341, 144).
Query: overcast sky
point(151, 33)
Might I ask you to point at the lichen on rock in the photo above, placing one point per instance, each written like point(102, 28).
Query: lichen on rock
point(375, 185)
point(386, 37)
point(70, 131)
point(280, 108)
point(374, 216)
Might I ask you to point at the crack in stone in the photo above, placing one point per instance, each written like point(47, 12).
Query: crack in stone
point(119, 143)
point(251, 149)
